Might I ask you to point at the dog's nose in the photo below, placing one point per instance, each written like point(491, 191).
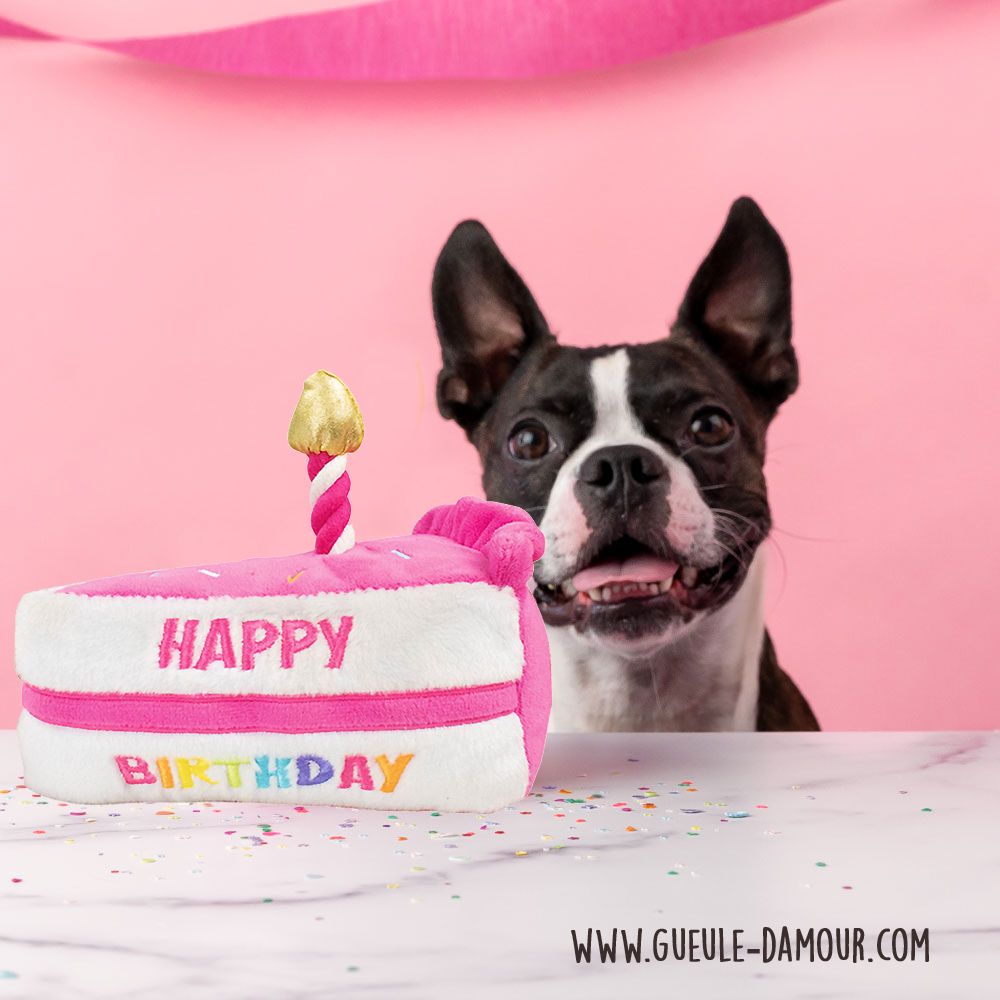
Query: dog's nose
point(621, 469)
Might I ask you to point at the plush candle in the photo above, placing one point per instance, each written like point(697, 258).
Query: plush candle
point(326, 426)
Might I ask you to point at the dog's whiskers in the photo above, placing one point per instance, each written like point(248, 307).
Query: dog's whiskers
point(737, 554)
point(784, 568)
point(725, 512)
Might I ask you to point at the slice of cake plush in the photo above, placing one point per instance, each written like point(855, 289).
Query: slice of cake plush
point(403, 673)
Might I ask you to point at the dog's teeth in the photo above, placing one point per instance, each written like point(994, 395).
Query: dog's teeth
point(623, 589)
point(568, 589)
point(689, 576)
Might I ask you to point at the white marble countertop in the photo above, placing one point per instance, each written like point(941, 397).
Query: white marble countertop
point(675, 831)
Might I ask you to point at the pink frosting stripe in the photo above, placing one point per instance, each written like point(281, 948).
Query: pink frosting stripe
point(214, 713)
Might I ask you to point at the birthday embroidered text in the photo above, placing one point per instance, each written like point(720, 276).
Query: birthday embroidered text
point(264, 771)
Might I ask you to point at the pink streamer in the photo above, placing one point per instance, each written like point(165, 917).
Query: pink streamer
point(449, 39)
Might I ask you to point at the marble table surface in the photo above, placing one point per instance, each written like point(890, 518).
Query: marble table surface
point(732, 831)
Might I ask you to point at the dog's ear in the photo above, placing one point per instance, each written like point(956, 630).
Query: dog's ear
point(739, 304)
point(486, 319)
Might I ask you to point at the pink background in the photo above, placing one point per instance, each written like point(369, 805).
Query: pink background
point(180, 250)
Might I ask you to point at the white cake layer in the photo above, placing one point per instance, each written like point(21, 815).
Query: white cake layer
point(478, 767)
point(414, 638)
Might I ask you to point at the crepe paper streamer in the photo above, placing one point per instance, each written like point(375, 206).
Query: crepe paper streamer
point(326, 425)
point(452, 39)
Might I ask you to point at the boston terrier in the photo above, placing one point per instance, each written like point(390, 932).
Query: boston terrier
point(643, 464)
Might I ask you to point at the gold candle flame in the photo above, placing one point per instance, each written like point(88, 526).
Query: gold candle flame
point(327, 418)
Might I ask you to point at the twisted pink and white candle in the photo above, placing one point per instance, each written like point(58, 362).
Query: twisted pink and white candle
point(326, 426)
point(331, 503)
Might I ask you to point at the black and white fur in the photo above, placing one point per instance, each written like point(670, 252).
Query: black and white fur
point(644, 455)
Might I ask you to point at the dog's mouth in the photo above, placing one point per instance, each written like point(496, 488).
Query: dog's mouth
point(627, 578)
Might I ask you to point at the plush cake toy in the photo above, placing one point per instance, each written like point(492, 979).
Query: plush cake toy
point(403, 673)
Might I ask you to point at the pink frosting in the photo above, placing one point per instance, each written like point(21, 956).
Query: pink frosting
point(387, 563)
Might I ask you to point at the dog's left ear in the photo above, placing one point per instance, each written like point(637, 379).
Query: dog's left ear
point(739, 304)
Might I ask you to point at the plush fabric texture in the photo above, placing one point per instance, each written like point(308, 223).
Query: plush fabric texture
point(206, 713)
point(381, 668)
point(465, 768)
point(428, 636)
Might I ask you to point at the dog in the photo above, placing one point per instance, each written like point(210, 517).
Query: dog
point(643, 467)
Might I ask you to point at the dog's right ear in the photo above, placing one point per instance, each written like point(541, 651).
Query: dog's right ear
point(486, 319)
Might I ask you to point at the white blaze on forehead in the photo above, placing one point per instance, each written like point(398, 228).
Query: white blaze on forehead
point(690, 529)
point(616, 422)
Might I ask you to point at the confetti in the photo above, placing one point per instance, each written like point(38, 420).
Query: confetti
point(421, 849)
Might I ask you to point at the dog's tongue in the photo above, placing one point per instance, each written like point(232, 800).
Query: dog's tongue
point(637, 569)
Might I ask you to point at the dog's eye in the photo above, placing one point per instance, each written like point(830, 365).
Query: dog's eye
point(712, 427)
point(529, 441)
